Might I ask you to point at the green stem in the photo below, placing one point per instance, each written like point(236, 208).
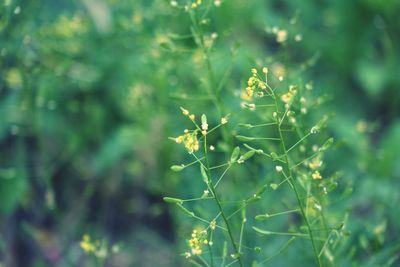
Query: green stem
point(293, 183)
point(218, 202)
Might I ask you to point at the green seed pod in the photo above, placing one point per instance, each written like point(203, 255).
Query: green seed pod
point(253, 199)
point(274, 156)
point(245, 125)
point(203, 119)
point(327, 144)
point(235, 154)
point(273, 186)
point(177, 168)
point(203, 173)
point(260, 231)
point(244, 138)
point(261, 217)
point(185, 210)
point(246, 156)
point(172, 200)
point(261, 190)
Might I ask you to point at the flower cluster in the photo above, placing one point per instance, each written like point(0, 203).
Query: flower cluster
point(87, 245)
point(288, 97)
point(189, 139)
point(199, 238)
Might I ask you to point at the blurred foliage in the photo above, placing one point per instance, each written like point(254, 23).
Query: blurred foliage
point(90, 90)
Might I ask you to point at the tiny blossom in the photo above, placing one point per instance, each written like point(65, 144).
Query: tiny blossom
point(87, 245)
point(315, 148)
point(187, 255)
point(185, 111)
point(265, 70)
point(303, 110)
point(192, 117)
point(189, 140)
point(314, 130)
point(224, 120)
point(281, 36)
point(317, 207)
point(254, 71)
point(274, 114)
point(204, 126)
point(252, 106)
point(292, 120)
point(298, 37)
point(213, 224)
point(309, 86)
point(278, 168)
point(288, 97)
point(280, 78)
point(174, 3)
point(212, 148)
point(315, 163)
point(214, 35)
point(316, 175)
point(217, 2)
point(195, 243)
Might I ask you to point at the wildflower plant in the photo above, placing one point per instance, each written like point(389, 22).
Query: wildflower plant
point(276, 142)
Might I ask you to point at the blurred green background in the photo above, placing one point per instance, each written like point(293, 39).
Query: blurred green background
point(90, 92)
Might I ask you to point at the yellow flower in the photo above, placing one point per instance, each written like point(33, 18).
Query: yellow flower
point(315, 163)
point(198, 239)
point(189, 140)
point(316, 175)
point(87, 245)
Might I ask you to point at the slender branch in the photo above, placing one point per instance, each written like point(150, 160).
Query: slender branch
point(293, 185)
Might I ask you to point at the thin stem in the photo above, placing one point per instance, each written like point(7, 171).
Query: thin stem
point(293, 184)
point(298, 142)
point(212, 188)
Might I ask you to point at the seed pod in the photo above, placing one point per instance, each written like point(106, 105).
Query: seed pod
point(244, 138)
point(246, 156)
point(235, 154)
point(177, 168)
point(261, 217)
point(203, 173)
point(274, 156)
point(172, 200)
point(273, 186)
point(203, 118)
point(260, 231)
point(245, 125)
point(261, 190)
point(327, 144)
point(185, 210)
